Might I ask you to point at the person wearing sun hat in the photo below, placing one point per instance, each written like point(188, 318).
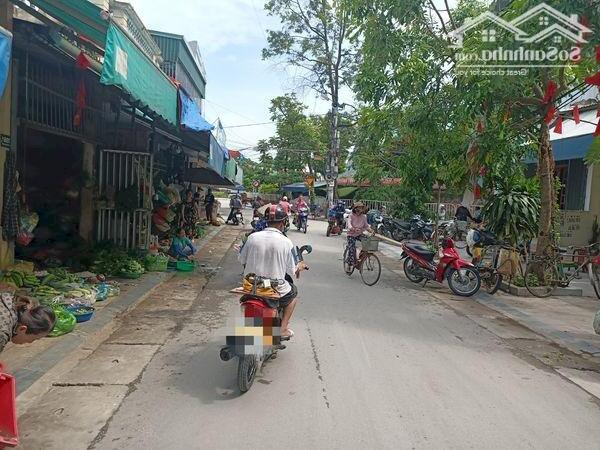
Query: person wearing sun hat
point(357, 225)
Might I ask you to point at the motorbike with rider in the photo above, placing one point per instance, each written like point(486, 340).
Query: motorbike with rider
point(301, 210)
point(235, 214)
point(269, 295)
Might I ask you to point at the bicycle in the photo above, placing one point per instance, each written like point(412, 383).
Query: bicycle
point(368, 263)
point(551, 270)
point(492, 274)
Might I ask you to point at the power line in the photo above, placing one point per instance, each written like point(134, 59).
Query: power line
point(231, 111)
point(250, 125)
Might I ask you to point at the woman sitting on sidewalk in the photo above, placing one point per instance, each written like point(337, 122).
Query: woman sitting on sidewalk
point(21, 322)
point(182, 247)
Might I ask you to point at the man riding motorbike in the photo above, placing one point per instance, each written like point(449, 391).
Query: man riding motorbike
point(269, 254)
point(236, 205)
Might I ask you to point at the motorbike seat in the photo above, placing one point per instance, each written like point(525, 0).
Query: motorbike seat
point(421, 250)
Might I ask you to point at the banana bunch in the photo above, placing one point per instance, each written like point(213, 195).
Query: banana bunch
point(45, 291)
point(30, 280)
point(20, 279)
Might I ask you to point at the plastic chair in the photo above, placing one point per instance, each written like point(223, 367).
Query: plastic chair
point(9, 436)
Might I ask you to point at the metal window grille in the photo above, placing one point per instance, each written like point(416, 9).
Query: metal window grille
point(47, 97)
point(119, 171)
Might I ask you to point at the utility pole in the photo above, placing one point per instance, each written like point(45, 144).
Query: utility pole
point(333, 156)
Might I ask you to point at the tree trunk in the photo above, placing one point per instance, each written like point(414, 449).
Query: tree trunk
point(547, 194)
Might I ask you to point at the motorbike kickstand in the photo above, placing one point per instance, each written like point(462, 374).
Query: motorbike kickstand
point(425, 283)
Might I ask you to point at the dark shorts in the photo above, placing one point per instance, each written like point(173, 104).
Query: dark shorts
point(289, 297)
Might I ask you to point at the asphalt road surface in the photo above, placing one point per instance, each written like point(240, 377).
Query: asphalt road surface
point(389, 366)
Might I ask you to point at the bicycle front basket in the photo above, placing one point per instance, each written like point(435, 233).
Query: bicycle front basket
point(370, 244)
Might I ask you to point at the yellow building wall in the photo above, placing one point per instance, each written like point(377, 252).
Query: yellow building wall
point(576, 226)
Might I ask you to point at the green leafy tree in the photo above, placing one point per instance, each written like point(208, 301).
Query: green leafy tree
point(466, 125)
point(314, 38)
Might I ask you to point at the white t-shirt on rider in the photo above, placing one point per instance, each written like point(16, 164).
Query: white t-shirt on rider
point(269, 254)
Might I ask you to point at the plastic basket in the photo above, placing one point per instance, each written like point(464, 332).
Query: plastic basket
point(185, 266)
point(81, 313)
point(369, 244)
point(8, 415)
point(182, 266)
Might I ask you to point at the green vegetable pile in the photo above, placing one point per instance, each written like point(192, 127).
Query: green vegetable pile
point(132, 266)
point(114, 261)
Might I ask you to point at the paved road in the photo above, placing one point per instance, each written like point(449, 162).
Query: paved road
point(383, 367)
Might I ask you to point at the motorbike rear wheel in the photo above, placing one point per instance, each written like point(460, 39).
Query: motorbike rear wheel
point(247, 372)
point(490, 280)
point(410, 267)
point(464, 282)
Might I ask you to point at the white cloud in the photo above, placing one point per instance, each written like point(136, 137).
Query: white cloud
point(215, 24)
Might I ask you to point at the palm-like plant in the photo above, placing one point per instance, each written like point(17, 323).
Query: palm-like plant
point(512, 213)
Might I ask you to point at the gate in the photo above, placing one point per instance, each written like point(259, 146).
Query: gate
point(125, 194)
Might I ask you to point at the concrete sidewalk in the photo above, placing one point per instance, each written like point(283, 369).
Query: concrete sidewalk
point(31, 362)
point(76, 400)
point(566, 321)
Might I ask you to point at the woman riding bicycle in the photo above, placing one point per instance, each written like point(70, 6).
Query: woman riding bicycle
point(357, 225)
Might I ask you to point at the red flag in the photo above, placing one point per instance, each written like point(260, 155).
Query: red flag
point(551, 88)
point(597, 132)
point(558, 126)
point(598, 54)
point(550, 115)
point(82, 62)
point(576, 117)
point(594, 80)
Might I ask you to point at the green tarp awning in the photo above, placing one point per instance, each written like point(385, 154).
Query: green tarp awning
point(127, 67)
point(81, 15)
point(230, 169)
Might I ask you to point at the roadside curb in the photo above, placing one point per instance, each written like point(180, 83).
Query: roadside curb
point(560, 338)
point(36, 378)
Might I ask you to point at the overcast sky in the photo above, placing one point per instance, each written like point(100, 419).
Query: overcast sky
point(231, 35)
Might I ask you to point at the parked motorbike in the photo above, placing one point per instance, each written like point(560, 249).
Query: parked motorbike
point(419, 229)
point(261, 306)
point(463, 277)
point(302, 220)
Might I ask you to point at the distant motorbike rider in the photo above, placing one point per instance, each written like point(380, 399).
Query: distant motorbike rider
point(339, 210)
point(269, 254)
point(236, 205)
point(298, 204)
